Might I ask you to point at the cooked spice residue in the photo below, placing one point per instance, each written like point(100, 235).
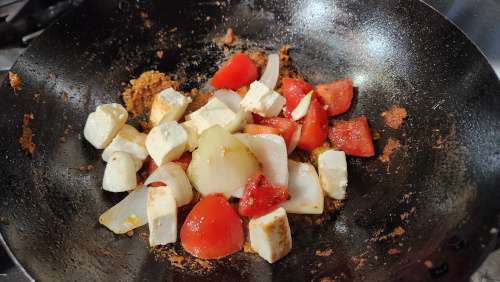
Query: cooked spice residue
point(15, 81)
point(398, 231)
point(324, 253)
point(389, 149)
point(393, 251)
point(230, 37)
point(394, 117)
point(26, 139)
point(140, 93)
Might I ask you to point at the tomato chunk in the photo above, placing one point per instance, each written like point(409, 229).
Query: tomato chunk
point(315, 128)
point(212, 229)
point(286, 126)
point(254, 129)
point(261, 196)
point(337, 95)
point(294, 90)
point(353, 137)
point(235, 73)
point(184, 160)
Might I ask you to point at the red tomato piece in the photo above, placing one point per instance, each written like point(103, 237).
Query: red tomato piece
point(235, 73)
point(337, 95)
point(353, 137)
point(212, 229)
point(294, 90)
point(254, 129)
point(257, 118)
point(152, 166)
point(286, 125)
point(184, 160)
point(261, 196)
point(315, 127)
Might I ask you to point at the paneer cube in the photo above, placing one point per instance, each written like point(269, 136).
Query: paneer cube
point(103, 124)
point(128, 214)
point(270, 235)
point(166, 142)
point(214, 112)
point(168, 105)
point(131, 141)
point(263, 100)
point(162, 216)
point(306, 194)
point(193, 138)
point(332, 169)
point(119, 175)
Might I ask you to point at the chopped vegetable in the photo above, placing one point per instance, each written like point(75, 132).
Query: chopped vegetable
point(235, 73)
point(221, 163)
point(270, 76)
point(212, 229)
point(261, 196)
point(336, 95)
point(254, 129)
point(128, 214)
point(315, 128)
point(173, 176)
point(353, 137)
point(301, 110)
point(286, 126)
point(294, 90)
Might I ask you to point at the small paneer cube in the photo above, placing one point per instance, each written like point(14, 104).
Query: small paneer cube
point(119, 175)
point(103, 124)
point(306, 194)
point(162, 216)
point(214, 112)
point(131, 141)
point(168, 105)
point(332, 169)
point(270, 235)
point(263, 100)
point(128, 214)
point(166, 142)
point(193, 138)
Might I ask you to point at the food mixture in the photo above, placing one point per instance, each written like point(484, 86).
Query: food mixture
point(241, 167)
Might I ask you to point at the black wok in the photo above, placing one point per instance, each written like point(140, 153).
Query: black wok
point(446, 177)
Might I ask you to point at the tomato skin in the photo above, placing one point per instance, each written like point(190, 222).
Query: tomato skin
point(294, 90)
point(183, 161)
point(353, 137)
point(261, 196)
point(315, 128)
point(235, 73)
point(337, 95)
point(254, 129)
point(212, 229)
point(286, 125)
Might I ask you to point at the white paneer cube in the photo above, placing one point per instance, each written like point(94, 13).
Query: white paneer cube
point(270, 235)
point(128, 214)
point(131, 141)
point(103, 124)
point(119, 175)
point(193, 137)
point(332, 169)
point(263, 100)
point(162, 216)
point(166, 142)
point(168, 105)
point(306, 194)
point(214, 112)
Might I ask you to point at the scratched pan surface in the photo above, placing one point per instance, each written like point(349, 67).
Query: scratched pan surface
point(441, 187)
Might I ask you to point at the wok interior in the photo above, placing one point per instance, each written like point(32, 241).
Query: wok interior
point(444, 177)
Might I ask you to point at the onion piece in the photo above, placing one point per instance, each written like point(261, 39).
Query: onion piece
point(230, 98)
point(301, 109)
point(237, 123)
point(173, 176)
point(270, 76)
point(221, 163)
point(295, 138)
point(306, 194)
point(270, 151)
point(128, 214)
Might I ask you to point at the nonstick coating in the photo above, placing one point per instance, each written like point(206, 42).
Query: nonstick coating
point(441, 187)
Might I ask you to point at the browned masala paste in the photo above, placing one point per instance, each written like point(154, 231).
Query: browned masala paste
point(26, 138)
point(394, 117)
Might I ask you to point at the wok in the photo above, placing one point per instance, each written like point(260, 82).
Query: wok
point(445, 177)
